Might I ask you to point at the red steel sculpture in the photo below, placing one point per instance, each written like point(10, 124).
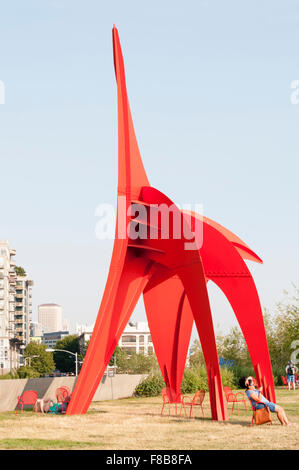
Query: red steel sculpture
point(150, 258)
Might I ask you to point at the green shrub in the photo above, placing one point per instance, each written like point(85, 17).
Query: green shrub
point(27, 372)
point(150, 387)
point(240, 371)
point(277, 373)
point(228, 377)
point(194, 379)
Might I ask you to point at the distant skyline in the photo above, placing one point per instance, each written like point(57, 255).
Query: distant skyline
point(210, 89)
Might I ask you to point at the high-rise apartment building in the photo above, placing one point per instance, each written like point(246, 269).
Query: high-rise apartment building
point(50, 317)
point(9, 345)
point(23, 308)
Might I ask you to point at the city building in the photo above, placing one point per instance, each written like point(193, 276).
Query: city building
point(50, 339)
point(36, 332)
point(65, 325)
point(135, 338)
point(50, 317)
point(84, 333)
point(23, 308)
point(9, 343)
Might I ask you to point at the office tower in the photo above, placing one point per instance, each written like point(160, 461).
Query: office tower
point(50, 317)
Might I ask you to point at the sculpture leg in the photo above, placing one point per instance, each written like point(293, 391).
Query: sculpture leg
point(242, 295)
point(170, 324)
point(114, 313)
point(195, 287)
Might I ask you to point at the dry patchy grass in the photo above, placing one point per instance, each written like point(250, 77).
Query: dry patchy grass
point(135, 423)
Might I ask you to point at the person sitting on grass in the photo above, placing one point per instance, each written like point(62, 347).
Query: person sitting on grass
point(258, 401)
point(43, 405)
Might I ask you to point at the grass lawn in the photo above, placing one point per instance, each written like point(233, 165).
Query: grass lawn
point(135, 423)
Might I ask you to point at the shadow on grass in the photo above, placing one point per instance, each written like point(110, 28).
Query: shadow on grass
point(185, 420)
point(92, 412)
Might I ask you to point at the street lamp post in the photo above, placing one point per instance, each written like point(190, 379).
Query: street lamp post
point(68, 352)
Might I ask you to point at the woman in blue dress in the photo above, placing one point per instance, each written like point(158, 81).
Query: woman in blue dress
point(258, 401)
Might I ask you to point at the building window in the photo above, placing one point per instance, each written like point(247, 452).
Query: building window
point(129, 339)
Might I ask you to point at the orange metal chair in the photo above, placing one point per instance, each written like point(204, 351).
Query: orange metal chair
point(233, 398)
point(197, 400)
point(27, 398)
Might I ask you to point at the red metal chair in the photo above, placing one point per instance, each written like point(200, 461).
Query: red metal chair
point(63, 396)
point(66, 388)
point(233, 398)
point(166, 401)
point(284, 381)
point(195, 401)
point(27, 398)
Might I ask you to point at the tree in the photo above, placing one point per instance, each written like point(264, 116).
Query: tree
point(232, 347)
point(20, 271)
point(196, 354)
point(142, 364)
point(66, 362)
point(121, 360)
point(39, 360)
point(283, 331)
point(27, 372)
point(133, 363)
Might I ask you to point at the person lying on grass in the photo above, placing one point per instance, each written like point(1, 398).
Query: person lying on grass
point(258, 401)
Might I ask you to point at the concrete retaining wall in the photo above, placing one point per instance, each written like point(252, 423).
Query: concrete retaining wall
point(110, 388)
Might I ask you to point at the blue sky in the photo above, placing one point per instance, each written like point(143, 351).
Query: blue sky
point(209, 84)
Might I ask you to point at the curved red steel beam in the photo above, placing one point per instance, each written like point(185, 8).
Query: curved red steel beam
point(224, 265)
